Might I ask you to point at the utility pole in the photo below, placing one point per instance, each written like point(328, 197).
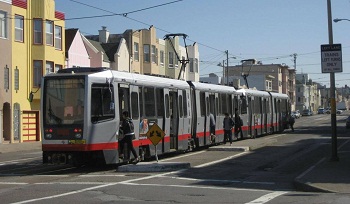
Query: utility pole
point(227, 67)
point(295, 60)
point(332, 80)
point(223, 72)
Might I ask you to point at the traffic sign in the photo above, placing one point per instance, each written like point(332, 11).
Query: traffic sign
point(331, 58)
point(155, 134)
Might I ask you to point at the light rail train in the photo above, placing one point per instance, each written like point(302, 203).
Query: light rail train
point(81, 111)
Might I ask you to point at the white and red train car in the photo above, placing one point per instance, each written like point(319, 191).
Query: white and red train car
point(81, 110)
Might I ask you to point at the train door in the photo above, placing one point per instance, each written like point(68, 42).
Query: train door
point(182, 141)
point(211, 110)
point(265, 113)
point(250, 116)
point(260, 119)
point(187, 118)
point(134, 109)
point(123, 103)
point(167, 128)
point(174, 119)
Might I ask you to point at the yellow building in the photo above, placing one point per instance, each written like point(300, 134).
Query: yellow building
point(37, 49)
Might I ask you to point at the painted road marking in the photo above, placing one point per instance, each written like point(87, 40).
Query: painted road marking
point(220, 160)
point(266, 198)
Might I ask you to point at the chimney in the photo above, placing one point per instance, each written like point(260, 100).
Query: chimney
point(103, 35)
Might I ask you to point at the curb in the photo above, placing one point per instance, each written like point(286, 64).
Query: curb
point(229, 148)
point(154, 167)
point(307, 187)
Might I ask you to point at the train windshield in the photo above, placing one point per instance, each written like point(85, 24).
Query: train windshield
point(64, 101)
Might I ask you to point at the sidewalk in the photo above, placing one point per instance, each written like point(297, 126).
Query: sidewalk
point(326, 175)
point(18, 147)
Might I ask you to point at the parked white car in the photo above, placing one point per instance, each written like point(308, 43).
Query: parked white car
point(295, 114)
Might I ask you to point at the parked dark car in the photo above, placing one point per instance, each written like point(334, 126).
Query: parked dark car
point(348, 122)
point(306, 113)
point(320, 111)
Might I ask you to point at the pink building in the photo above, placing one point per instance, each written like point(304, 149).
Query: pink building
point(76, 52)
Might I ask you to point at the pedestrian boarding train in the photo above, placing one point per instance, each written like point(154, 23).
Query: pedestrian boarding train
point(81, 110)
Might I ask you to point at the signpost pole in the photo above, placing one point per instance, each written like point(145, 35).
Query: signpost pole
point(332, 94)
point(155, 147)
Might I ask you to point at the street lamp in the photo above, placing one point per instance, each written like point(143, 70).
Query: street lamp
point(340, 19)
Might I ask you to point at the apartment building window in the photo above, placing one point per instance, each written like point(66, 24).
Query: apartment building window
point(268, 85)
point(3, 24)
point(49, 33)
point(38, 31)
point(154, 54)
point(298, 99)
point(58, 67)
point(49, 67)
point(196, 65)
point(37, 72)
point(136, 51)
point(176, 61)
point(6, 78)
point(19, 28)
point(146, 53)
point(58, 37)
point(171, 60)
point(16, 82)
point(161, 56)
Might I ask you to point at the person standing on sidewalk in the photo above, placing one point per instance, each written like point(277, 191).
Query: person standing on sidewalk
point(228, 125)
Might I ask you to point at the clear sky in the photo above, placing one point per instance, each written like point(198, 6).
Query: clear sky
point(267, 30)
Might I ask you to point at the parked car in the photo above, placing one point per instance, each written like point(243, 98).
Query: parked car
point(348, 122)
point(328, 111)
point(295, 114)
point(320, 111)
point(306, 113)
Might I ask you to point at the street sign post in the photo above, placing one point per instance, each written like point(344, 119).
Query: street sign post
point(155, 134)
point(331, 58)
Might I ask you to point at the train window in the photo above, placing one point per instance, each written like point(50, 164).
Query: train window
point(244, 105)
point(223, 103)
point(160, 102)
point(217, 105)
point(142, 114)
point(167, 105)
point(150, 103)
point(230, 104)
point(134, 106)
point(184, 102)
point(257, 106)
point(202, 103)
point(101, 100)
point(180, 106)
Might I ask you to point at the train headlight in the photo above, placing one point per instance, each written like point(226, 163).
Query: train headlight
point(48, 136)
point(78, 135)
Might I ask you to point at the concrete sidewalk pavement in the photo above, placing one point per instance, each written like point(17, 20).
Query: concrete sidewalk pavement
point(18, 147)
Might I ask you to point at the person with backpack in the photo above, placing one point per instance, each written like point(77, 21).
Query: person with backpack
point(127, 128)
point(228, 125)
point(291, 122)
point(239, 124)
